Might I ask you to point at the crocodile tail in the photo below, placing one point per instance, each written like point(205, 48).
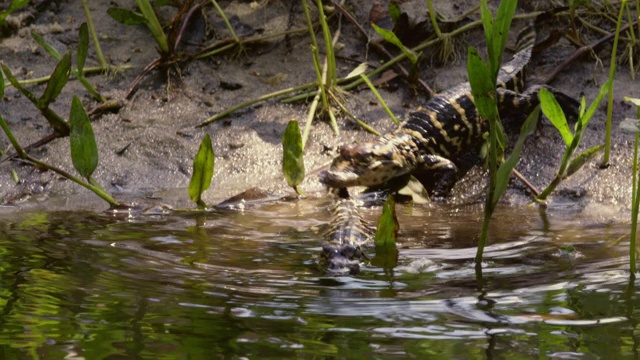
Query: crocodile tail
point(511, 74)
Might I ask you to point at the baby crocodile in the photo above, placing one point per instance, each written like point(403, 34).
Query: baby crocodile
point(435, 142)
point(347, 233)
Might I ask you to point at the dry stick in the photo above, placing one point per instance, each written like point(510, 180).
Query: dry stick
point(581, 52)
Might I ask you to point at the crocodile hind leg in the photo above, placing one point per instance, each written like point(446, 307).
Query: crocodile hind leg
point(520, 105)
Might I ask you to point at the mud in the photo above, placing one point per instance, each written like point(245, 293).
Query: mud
point(147, 147)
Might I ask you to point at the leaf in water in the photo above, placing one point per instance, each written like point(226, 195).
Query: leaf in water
point(292, 157)
point(84, 152)
point(83, 47)
point(630, 126)
point(582, 159)
point(504, 171)
point(554, 113)
point(125, 16)
point(202, 171)
point(482, 88)
point(58, 80)
point(390, 37)
point(387, 229)
point(634, 101)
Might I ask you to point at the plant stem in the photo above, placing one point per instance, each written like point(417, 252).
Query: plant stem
point(226, 21)
point(23, 155)
point(94, 69)
point(94, 36)
point(432, 17)
point(634, 209)
point(612, 73)
point(380, 99)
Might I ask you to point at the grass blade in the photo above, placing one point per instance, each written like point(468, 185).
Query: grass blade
point(58, 80)
point(126, 17)
point(582, 159)
point(48, 48)
point(83, 47)
point(504, 171)
point(390, 37)
point(84, 152)
point(202, 171)
point(292, 157)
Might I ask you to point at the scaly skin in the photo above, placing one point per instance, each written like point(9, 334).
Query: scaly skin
point(347, 233)
point(435, 138)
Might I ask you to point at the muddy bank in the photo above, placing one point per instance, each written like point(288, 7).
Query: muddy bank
point(147, 147)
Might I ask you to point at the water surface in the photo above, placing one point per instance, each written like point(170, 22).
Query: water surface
point(246, 284)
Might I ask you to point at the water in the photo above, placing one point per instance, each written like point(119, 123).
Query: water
point(246, 284)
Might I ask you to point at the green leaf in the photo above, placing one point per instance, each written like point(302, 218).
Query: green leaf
point(84, 152)
point(394, 11)
point(554, 113)
point(16, 84)
point(14, 176)
point(154, 25)
point(58, 80)
point(582, 159)
point(501, 31)
point(390, 37)
point(292, 157)
point(48, 48)
point(202, 171)
point(126, 17)
point(387, 229)
point(504, 171)
point(83, 47)
point(360, 69)
point(630, 126)
point(482, 88)
point(582, 123)
point(15, 5)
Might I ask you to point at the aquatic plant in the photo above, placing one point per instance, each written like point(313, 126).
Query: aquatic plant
point(482, 77)
point(555, 114)
point(84, 152)
point(202, 172)
point(632, 126)
point(292, 156)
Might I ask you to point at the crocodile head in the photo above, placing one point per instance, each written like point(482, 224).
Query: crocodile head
point(371, 164)
point(342, 259)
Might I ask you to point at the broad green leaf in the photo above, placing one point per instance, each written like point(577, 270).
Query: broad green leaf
point(634, 101)
point(58, 80)
point(482, 88)
point(387, 229)
point(29, 95)
point(202, 171)
point(554, 113)
point(390, 37)
point(83, 47)
point(292, 157)
point(48, 48)
point(125, 16)
point(394, 11)
point(487, 23)
point(582, 159)
point(630, 126)
point(504, 171)
point(84, 152)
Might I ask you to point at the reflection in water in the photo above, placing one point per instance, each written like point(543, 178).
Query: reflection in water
point(246, 284)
